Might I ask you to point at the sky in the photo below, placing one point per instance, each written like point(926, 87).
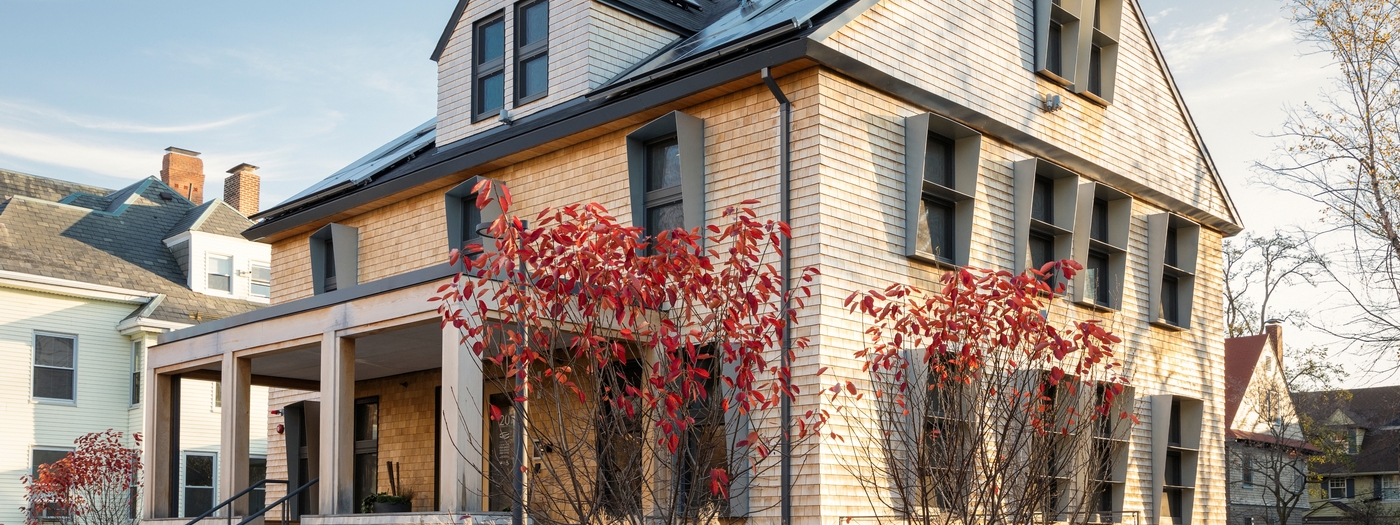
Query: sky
point(95, 91)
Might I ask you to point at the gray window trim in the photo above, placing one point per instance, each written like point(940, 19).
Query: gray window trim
point(492, 67)
point(967, 152)
point(524, 52)
point(346, 242)
point(1084, 27)
point(1068, 16)
point(459, 234)
point(1066, 200)
point(33, 363)
point(1187, 246)
point(690, 140)
point(1120, 214)
point(1191, 412)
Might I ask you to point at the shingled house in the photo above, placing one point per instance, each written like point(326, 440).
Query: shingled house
point(900, 138)
point(1366, 483)
point(88, 278)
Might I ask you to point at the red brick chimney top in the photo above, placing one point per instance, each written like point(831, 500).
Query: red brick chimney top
point(182, 170)
point(241, 189)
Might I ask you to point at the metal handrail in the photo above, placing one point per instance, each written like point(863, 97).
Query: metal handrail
point(235, 497)
point(285, 514)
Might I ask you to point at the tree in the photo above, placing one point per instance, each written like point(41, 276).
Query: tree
point(1343, 154)
point(642, 368)
point(1256, 267)
point(95, 484)
point(979, 409)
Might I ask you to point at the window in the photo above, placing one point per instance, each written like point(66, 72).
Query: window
point(1390, 487)
point(1096, 273)
point(1099, 219)
point(199, 484)
point(1064, 44)
point(46, 456)
point(55, 367)
point(220, 273)
point(666, 173)
point(1044, 195)
point(1042, 248)
point(941, 159)
point(1171, 246)
point(257, 471)
point(218, 395)
point(488, 66)
point(620, 441)
point(1174, 428)
point(1054, 60)
point(137, 351)
point(663, 209)
point(334, 258)
point(1043, 200)
point(261, 282)
point(1175, 505)
point(1336, 488)
point(1095, 69)
point(463, 217)
point(366, 467)
point(1247, 471)
point(531, 51)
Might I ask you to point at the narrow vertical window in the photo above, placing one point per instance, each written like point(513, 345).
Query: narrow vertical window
point(1170, 257)
point(261, 283)
point(1043, 200)
point(199, 484)
point(137, 349)
point(1095, 69)
point(257, 471)
point(1171, 302)
point(935, 234)
point(663, 177)
point(1054, 60)
point(220, 273)
point(366, 480)
point(1096, 270)
point(1247, 472)
point(531, 51)
point(938, 162)
point(329, 261)
point(488, 66)
point(55, 367)
point(1098, 229)
point(1042, 249)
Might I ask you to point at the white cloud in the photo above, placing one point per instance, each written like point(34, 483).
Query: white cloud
point(62, 151)
point(104, 124)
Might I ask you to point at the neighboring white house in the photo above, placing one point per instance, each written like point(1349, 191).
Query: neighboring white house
point(88, 278)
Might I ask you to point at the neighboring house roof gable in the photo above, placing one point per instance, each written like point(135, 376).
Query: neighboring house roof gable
point(1371, 409)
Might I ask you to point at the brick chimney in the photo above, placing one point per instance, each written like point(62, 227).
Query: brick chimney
point(241, 189)
point(182, 170)
point(1274, 328)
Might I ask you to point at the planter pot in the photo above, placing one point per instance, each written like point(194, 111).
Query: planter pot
point(385, 508)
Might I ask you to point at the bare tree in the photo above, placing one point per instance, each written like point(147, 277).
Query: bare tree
point(1344, 154)
point(1256, 268)
point(968, 419)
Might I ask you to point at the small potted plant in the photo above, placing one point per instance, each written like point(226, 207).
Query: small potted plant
point(400, 500)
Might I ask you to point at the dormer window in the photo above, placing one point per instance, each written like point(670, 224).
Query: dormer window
point(488, 66)
point(220, 273)
point(531, 51)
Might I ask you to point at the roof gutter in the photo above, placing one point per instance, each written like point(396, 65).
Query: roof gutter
point(39, 283)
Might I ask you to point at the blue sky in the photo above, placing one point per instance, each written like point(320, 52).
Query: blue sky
point(94, 91)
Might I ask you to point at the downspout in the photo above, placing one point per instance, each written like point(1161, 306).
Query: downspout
point(785, 267)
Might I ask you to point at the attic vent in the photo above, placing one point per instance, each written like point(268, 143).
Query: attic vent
point(166, 196)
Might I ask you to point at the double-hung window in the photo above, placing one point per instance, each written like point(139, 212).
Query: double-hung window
point(664, 201)
point(531, 51)
point(488, 66)
point(1390, 487)
point(55, 367)
point(220, 273)
point(199, 484)
point(261, 282)
point(137, 351)
point(41, 457)
point(1336, 488)
point(1247, 471)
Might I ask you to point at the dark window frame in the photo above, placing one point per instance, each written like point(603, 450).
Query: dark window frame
point(138, 350)
point(1043, 193)
point(664, 196)
point(366, 448)
point(482, 70)
point(335, 250)
point(1103, 284)
point(526, 52)
point(942, 160)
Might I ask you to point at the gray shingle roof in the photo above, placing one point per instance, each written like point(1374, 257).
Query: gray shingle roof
point(112, 238)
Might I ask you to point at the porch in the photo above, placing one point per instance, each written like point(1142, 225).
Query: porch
point(363, 377)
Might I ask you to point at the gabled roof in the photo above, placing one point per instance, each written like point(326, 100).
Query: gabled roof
point(215, 217)
point(1374, 409)
point(1241, 358)
point(110, 238)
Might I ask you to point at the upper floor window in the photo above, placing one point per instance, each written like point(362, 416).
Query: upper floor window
point(1077, 45)
point(1172, 246)
point(137, 352)
point(1247, 471)
point(941, 158)
point(1103, 218)
point(1337, 488)
point(261, 280)
point(464, 219)
point(1045, 195)
point(531, 51)
point(488, 66)
point(334, 254)
point(220, 273)
point(55, 366)
point(665, 164)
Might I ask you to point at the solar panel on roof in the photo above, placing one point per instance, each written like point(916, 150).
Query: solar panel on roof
point(419, 139)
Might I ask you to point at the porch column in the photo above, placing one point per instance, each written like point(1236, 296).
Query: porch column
point(461, 434)
point(337, 488)
point(160, 499)
point(233, 435)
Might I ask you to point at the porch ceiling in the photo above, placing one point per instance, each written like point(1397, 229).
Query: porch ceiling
point(378, 355)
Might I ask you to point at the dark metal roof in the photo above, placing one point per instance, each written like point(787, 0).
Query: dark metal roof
point(42, 235)
point(1375, 409)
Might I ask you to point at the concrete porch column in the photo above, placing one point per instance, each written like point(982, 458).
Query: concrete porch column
point(160, 497)
point(461, 433)
point(233, 435)
point(337, 488)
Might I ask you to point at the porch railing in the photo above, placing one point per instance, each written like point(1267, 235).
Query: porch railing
point(286, 508)
point(230, 501)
